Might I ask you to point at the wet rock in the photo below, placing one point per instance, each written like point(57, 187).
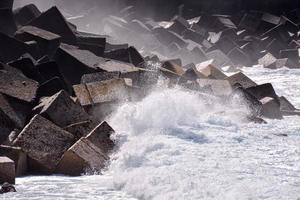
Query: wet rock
point(173, 67)
point(45, 143)
point(216, 87)
point(179, 25)
point(268, 61)
point(129, 55)
point(13, 83)
point(254, 105)
point(7, 170)
point(193, 74)
point(82, 157)
point(47, 41)
point(256, 120)
point(61, 110)
point(53, 21)
point(100, 76)
point(101, 92)
point(270, 108)
point(241, 79)
point(86, 38)
point(100, 136)
point(112, 47)
point(286, 105)
point(7, 22)
point(18, 156)
point(262, 91)
point(26, 14)
point(80, 129)
point(74, 63)
point(292, 55)
point(95, 49)
point(6, 188)
point(211, 71)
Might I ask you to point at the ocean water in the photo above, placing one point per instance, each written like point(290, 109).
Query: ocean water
point(176, 144)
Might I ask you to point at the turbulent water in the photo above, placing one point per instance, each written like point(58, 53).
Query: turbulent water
point(175, 144)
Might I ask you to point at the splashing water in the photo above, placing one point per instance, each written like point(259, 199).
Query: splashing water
point(176, 144)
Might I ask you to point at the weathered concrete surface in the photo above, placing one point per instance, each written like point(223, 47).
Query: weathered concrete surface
point(82, 157)
point(13, 83)
point(7, 170)
point(74, 63)
point(18, 156)
point(16, 110)
point(211, 72)
point(61, 110)
point(47, 41)
point(216, 87)
point(270, 108)
point(44, 142)
point(242, 79)
point(100, 137)
point(101, 92)
point(53, 21)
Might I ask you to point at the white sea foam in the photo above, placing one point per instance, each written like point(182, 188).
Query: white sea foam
point(175, 145)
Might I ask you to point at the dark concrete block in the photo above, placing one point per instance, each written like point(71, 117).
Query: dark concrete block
point(268, 61)
point(10, 48)
point(53, 21)
point(28, 68)
point(7, 170)
point(100, 76)
point(262, 91)
point(7, 22)
point(292, 55)
point(17, 111)
point(270, 108)
point(211, 72)
point(61, 110)
point(26, 14)
point(48, 42)
point(44, 143)
point(241, 79)
point(74, 63)
point(51, 87)
point(100, 136)
point(238, 57)
point(167, 37)
point(113, 90)
point(8, 4)
point(18, 156)
point(249, 22)
point(82, 157)
point(129, 55)
point(6, 127)
point(13, 83)
point(219, 58)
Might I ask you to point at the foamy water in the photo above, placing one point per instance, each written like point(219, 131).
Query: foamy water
point(175, 144)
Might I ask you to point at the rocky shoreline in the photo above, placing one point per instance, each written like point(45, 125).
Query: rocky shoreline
point(59, 84)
